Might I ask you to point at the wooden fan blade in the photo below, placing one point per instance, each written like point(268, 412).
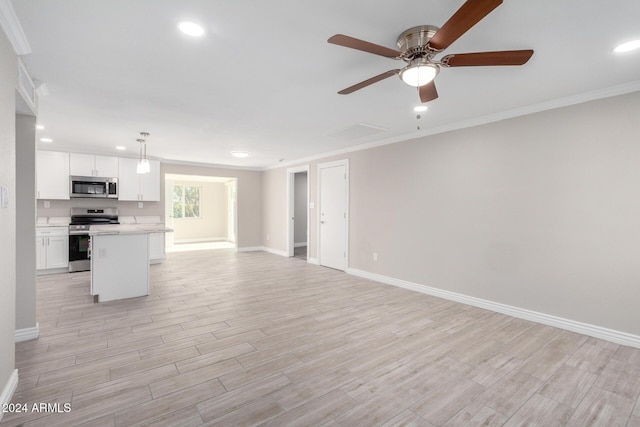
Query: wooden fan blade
point(353, 43)
point(503, 57)
point(428, 92)
point(368, 82)
point(466, 17)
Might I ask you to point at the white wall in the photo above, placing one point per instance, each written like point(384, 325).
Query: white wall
point(300, 207)
point(8, 73)
point(213, 221)
point(539, 212)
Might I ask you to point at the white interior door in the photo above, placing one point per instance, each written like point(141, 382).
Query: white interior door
point(333, 196)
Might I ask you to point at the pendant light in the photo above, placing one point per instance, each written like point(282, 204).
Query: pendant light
point(143, 165)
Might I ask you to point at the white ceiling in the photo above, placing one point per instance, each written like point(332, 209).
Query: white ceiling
point(263, 79)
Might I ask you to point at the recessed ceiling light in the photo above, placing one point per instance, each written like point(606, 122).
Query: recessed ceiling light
point(191, 29)
point(420, 108)
point(39, 127)
point(239, 153)
point(628, 46)
point(46, 140)
point(121, 148)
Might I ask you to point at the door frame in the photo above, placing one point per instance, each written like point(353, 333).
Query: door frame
point(291, 172)
point(345, 163)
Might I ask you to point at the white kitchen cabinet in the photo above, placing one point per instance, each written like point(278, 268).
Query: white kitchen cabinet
point(138, 187)
point(52, 248)
point(92, 165)
point(52, 175)
point(156, 248)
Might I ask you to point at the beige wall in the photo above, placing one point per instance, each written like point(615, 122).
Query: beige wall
point(8, 73)
point(249, 195)
point(213, 220)
point(539, 212)
point(25, 221)
point(274, 214)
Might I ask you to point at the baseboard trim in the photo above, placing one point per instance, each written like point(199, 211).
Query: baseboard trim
point(52, 271)
point(200, 240)
point(263, 249)
point(614, 336)
point(249, 249)
point(313, 261)
point(27, 334)
point(8, 390)
point(299, 245)
point(275, 251)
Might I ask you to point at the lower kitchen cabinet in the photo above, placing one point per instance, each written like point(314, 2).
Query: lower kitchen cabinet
point(156, 248)
point(52, 248)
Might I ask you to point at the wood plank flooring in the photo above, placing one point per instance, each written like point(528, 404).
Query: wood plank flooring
point(230, 339)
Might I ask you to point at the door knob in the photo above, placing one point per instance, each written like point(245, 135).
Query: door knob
point(321, 222)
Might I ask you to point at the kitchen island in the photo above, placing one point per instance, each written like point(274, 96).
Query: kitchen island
point(120, 260)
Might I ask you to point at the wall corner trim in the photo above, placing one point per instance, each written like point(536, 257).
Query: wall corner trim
point(313, 261)
point(614, 336)
point(27, 334)
point(13, 29)
point(8, 390)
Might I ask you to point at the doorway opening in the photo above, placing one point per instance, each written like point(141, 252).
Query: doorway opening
point(298, 212)
point(202, 211)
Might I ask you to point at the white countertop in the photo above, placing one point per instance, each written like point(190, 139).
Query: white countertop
point(53, 221)
point(128, 229)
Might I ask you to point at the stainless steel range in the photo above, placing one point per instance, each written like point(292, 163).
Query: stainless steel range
point(79, 240)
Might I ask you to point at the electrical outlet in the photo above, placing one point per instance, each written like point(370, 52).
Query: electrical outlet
point(375, 256)
point(47, 204)
point(268, 237)
point(140, 205)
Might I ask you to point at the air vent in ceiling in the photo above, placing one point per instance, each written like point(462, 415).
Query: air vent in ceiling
point(357, 131)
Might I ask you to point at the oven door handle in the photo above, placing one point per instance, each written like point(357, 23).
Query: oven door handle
point(89, 249)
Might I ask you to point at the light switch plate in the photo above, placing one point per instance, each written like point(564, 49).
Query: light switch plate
point(4, 197)
point(312, 205)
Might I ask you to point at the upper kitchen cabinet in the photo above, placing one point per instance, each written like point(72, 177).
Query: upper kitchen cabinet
point(52, 175)
point(138, 187)
point(90, 165)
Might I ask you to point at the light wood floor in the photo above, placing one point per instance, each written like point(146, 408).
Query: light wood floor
point(256, 339)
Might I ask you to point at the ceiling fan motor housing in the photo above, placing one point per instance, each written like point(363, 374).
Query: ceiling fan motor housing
point(414, 42)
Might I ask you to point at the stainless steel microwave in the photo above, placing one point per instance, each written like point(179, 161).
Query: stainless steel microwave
point(93, 186)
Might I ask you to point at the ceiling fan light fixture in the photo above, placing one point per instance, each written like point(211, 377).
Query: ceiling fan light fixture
point(143, 166)
point(628, 46)
point(191, 29)
point(419, 72)
point(239, 154)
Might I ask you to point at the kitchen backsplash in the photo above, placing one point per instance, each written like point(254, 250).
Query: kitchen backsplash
point(61, 208)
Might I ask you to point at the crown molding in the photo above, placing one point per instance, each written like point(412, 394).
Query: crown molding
point(491, 118)
point(12, 28)
point(212, 165)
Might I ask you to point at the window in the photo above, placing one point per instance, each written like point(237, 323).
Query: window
point(186, 201)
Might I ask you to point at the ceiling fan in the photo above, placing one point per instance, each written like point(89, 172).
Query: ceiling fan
point(419, 46)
